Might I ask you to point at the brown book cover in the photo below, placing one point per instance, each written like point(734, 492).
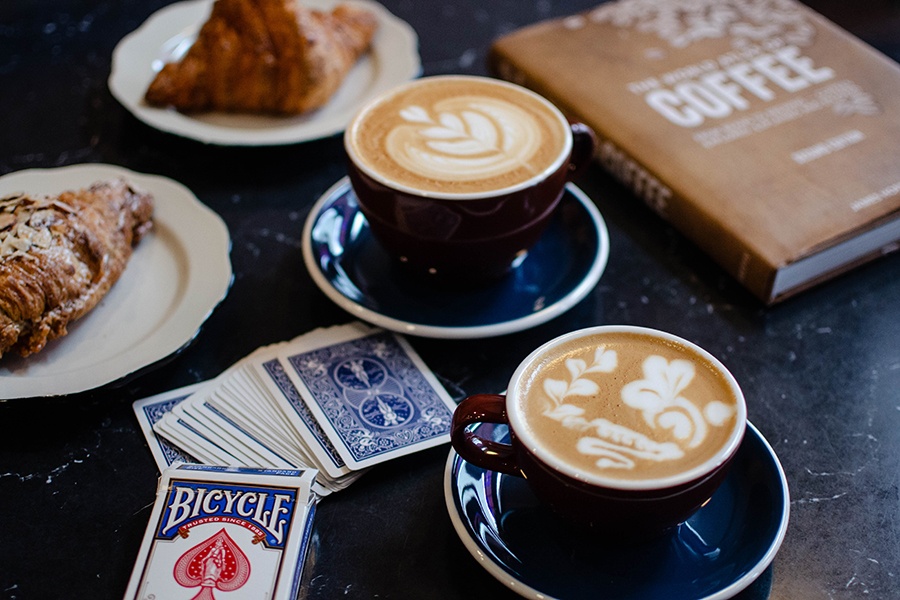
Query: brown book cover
point(764, 132)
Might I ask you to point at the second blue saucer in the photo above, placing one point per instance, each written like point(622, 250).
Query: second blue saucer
point(717, 553)
point(352, 269)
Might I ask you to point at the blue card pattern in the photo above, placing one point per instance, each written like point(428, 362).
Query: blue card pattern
point(281, 379)
point(374, 396)
point(156, 411)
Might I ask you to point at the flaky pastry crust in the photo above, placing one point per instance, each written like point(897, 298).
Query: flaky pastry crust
point(265, 56)
point(60, 255)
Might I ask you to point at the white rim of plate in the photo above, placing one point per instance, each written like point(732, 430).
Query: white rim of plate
point(393, 59)
point(526, 591)
point(552, 311)
point(210, 276)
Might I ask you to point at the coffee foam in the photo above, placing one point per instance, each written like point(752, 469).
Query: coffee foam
point(627, 406)
point(458, 135)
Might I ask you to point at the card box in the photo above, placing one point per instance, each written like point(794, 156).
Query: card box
point(225, 531)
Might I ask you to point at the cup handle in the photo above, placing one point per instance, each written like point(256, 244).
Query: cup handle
point(481, 452)
point(584, 145)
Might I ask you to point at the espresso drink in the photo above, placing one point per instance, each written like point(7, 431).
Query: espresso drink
point(627, 405)
point(459, 135)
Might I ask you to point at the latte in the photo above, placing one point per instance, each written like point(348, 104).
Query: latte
point(457, 135)
point(627, 405)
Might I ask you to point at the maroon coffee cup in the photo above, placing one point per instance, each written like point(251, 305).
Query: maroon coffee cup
point(470, 236)
point(630, 509)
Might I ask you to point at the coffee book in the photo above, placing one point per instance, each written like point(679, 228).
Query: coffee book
point(764, 132)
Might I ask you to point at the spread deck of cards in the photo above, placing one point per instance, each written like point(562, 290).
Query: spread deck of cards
point(308, 416)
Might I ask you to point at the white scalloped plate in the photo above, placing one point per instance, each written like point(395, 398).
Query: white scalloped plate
point(169, 32)
point(177, 275)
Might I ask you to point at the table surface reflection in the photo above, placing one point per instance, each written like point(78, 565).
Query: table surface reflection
point(821, 372)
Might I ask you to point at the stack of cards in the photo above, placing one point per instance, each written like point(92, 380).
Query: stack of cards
point(338, 400)
point(239, 532)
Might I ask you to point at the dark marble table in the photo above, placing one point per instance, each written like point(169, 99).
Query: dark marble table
point(821, 372)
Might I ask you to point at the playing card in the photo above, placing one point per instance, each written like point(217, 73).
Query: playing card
point(265, 379)
point(185, 416)
point(226, 429)
point(373, 397)
point(194, 441)
point(227, 434)
point(301, 418)
point(150, 410)
point(251, 409)
point(231, 420)
point(240, 533)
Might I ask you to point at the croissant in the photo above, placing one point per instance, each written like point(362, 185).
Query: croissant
point(60, 255)
point(265, 56)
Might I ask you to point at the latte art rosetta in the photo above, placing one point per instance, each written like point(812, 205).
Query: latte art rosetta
point(467, 138)
point(457, 137)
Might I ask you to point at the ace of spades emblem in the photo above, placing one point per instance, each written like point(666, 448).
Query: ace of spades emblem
point(215, 563)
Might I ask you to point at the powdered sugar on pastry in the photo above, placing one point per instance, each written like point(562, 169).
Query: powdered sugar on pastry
point(60, 255)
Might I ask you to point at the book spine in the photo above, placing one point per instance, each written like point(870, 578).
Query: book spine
point(740, 260)
point(728, 250)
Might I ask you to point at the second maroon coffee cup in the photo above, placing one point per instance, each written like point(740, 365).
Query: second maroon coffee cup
point(621, 430)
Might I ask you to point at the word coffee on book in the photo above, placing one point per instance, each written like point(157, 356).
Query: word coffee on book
point(764, 132)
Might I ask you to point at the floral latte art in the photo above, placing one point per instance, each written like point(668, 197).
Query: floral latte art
point(629, 406)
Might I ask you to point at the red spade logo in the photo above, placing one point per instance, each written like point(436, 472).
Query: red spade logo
point(216, 563)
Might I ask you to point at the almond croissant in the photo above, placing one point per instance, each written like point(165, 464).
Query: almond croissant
point(265, 56)
point(60, 255)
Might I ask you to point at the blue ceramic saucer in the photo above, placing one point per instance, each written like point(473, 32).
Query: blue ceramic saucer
point(352, 269)
point(717, 553)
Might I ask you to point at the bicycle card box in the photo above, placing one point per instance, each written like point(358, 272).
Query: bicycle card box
point(225, 531)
